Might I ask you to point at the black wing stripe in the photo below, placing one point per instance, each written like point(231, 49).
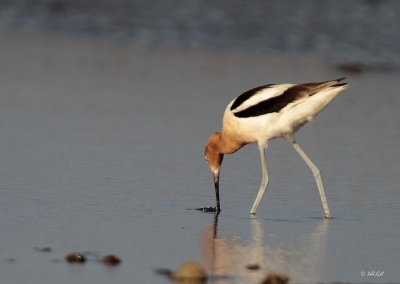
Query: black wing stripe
point(275, 104)
point(247, 95)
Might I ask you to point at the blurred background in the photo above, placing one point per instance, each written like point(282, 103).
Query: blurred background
point(359, 33)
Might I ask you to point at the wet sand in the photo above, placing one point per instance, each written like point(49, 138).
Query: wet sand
point(102, 151)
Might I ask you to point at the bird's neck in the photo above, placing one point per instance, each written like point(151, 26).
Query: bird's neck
point(226, 145)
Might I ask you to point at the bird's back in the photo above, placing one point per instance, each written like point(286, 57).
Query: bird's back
point(272, 110)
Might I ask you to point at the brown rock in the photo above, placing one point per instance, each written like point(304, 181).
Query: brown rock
point(75, 257)
point(190, 270)
point(111, 260)
point(273, 278)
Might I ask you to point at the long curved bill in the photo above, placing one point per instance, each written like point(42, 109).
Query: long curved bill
point(216, 186)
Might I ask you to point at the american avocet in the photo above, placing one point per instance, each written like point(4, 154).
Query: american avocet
point(266, 112)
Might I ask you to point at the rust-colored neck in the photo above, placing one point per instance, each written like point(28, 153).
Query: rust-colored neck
point(225, 145)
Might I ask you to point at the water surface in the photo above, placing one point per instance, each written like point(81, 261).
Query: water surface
point(102, 151)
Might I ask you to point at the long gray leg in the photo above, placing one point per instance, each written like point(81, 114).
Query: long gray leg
point(315, 172)
point(264, 181)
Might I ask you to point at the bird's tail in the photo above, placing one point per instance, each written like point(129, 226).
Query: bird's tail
point(342, 86)
point(317, 87)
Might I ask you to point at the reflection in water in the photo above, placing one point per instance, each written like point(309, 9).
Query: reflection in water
point(227, 255)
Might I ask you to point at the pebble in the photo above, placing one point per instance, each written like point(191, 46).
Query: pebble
point(254, 266)
point(273, 278)
point(111, 260)
point(75, 257)
point(190, 270)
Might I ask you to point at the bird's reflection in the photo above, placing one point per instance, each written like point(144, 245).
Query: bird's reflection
point(209, 246)
point(224, 254)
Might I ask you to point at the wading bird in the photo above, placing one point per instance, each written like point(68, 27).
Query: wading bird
point(267, 112)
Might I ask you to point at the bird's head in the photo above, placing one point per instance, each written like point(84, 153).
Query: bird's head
point(212, 153)
point(214, 157)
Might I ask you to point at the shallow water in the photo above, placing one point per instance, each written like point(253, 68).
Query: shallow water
point(102, 151)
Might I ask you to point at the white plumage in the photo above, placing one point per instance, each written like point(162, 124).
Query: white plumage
point(267, 112)
point(289, 119)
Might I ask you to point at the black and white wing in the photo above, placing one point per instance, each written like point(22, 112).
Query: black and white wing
point(274, 97)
